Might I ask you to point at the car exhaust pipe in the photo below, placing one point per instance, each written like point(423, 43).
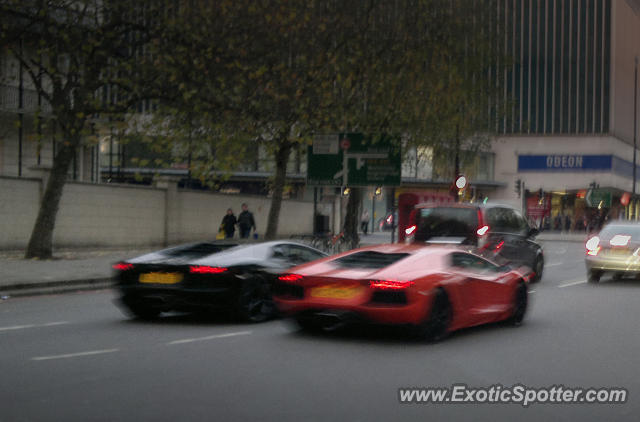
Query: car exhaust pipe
point(330, 321)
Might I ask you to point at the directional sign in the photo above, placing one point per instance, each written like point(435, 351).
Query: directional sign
point(598, 198)
point(352, 159)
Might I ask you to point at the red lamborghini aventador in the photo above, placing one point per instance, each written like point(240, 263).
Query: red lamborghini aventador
point(433, 289)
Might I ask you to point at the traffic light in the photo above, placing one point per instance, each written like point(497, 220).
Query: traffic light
point(518, 187)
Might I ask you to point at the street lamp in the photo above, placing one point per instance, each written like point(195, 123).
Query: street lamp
point(377, 192)
point(635, 123)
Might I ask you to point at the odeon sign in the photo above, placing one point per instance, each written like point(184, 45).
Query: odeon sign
point(564, 161)
point(567, 162)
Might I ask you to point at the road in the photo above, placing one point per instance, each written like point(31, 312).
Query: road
point(76, 357)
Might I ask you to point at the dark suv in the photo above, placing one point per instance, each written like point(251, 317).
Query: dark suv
point(497, 230)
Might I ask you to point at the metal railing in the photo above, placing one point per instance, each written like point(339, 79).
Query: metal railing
point(10, 100)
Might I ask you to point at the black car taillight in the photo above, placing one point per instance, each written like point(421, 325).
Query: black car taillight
point(205, 269)
point(122, 266)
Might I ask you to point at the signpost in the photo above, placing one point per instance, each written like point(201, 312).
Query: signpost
point(598, 198)
point(352, 159)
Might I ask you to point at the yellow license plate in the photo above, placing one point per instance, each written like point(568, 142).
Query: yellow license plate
point(334, 292)
point(160, 278)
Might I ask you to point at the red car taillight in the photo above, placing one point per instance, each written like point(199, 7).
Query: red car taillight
point(593, 246)
point(290, 278)
point(410, 230)
point(205, 269)
point(123, 266)
point(390, 284)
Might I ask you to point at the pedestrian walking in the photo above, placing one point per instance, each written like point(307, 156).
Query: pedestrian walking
point(246, 222)
point(229, 224)
point(364, 221)
point(567, 222)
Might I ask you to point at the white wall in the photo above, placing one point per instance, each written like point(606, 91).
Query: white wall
point(103, 215)
point(19, 199)
point(200, 214)
point(119, 215)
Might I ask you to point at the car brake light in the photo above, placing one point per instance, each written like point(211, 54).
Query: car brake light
point(482, 230)
point(620, 240)
point(410, 230)
point(390, 284)
point(205, 269)
point(498, 246)
point(290, 278)
point(123, 266)
point(593, 246)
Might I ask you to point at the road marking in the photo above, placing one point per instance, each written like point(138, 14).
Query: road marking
point(213, 337)
point(555, 264)
point(532, 291)
point(21, 327)
point(74, 355)
point(573, 283)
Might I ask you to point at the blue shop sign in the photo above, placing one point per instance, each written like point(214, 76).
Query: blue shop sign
point(564, 162)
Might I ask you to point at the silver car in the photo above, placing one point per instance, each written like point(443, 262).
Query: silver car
point(615, 249)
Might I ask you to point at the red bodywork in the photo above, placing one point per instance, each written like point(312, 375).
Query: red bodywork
point(475, 298)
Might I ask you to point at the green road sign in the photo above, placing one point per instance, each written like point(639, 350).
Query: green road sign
point(598, 198)
point(352, 159)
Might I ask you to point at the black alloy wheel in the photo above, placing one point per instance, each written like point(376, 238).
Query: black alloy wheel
point(520, 300)
point(436, 326)
point(538, 268)
point(255, 303)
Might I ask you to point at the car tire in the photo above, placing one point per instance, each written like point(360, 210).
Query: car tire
point(520, 302)
point(140, 310)
point(254, 302)
point(538, 268)
point(436, 326)
point(594, 276)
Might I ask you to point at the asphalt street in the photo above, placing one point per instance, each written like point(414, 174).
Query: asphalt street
point(77, 357)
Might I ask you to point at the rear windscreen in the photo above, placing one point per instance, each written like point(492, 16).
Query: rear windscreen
point(198, 250)
point(446, 222)
point(611, 230)
point(370, 259)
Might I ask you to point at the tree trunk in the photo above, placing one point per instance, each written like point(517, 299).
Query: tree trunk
point(41, 240)
point(282, 157)
point(352, 219)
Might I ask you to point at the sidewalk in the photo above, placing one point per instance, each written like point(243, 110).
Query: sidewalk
point(70, 270)
point(76, 270)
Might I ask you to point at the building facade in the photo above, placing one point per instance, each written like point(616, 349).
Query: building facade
point(571, 125)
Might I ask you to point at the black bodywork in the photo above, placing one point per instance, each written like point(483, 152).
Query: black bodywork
point(208, 276)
